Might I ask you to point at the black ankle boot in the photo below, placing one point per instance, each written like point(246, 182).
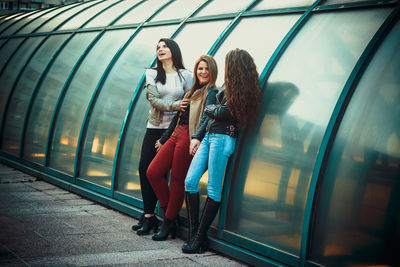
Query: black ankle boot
point(192, 207)
point(199, 243)
point(148, 224)
point(168, 227)
point(139, 225)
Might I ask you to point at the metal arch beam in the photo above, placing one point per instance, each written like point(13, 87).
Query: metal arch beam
point(44, 74)
point(66, 84)
point(129, 111)
point(82, 134)
point(334, 124)
point(232, 169)
point(25, 65)
point(19, 45)
point(27, 15)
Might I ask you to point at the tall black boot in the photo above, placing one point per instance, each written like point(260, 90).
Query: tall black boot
point(139, 225)
point(168, 227)
point(192, 207)
point(199, 244)
point(148, 224)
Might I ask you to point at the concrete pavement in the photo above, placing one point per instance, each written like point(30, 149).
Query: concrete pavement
point(43, 225)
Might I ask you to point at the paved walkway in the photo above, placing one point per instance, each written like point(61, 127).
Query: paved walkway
point(43, 225)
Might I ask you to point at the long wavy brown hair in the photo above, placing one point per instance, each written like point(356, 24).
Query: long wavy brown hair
point(212, 72)
point(242, 89)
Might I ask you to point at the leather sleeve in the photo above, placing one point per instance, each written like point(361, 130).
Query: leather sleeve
point(210, 100)
point(167, 134)
point(158, 103)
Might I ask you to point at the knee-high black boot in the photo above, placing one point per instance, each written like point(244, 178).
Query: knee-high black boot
point(199, 243)
point(192, 207)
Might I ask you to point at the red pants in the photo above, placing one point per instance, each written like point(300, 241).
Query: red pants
point(174, 155)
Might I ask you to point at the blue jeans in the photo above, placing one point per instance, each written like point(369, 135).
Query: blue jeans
point(213, 154)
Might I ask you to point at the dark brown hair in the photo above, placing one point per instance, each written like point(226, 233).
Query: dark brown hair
point(242, 88)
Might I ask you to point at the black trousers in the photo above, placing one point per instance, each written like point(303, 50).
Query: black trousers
point(146, 156)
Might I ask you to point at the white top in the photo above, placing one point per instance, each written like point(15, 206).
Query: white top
point(174, 88)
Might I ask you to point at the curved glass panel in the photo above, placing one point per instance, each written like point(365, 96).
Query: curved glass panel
point(334, 2)
point(25, 21)
point(105, 18)
point(141, 12)
point(223, 7)
point(77, 21)
point(38, 22)
point(192, 48)
point(177, 10)
point(268, 196)
point(358, 206)
point(10, 20)
point(47, 96)
point(77, 98)
point(275, 27)
point(268, 4)
point(53, 23)
point(113, 101)
point(8, 48)
point(9, 75)
point(23, 91)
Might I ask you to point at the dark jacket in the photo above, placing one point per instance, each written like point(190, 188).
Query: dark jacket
point(219, 119)
point(210, 99)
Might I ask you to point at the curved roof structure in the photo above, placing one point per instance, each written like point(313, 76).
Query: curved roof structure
point(314, 183)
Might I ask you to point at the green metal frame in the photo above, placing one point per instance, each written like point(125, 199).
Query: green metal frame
point(69, 79)
point(96, 92)
point(129, 112)
point(44, 74)
point(333, 126)
point(26, 64)
point(224, 241)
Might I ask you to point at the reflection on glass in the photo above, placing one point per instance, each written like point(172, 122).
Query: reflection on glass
point(105, 18)
point(177, 10)
point(25, 21)
point(77, 98)
point(111, 106)
point(84, 16)
point(36, 23)
point(9, 75)
point(192, 46)
point(273, 29)
point(23, 91)
point(61, 18)
point(357, 215)
point(12, 19)
point(268, 197)
point(268, 4)
point(334, 2)
point(141, 12)
point(222, 7)
point(46, 99)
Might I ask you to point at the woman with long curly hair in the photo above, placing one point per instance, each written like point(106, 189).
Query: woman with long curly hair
point(236, 107)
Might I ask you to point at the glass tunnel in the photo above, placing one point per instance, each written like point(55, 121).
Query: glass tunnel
point(316, 182)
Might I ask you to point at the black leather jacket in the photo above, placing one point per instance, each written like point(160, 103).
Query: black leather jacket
point(219, 119)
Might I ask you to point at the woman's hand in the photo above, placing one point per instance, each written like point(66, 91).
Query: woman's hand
point(194, 145)
point(184, 103)
point(158, 145)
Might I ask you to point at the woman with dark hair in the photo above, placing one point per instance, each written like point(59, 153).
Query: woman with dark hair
point(173, 146)
point(236, 106)
point(166, 84)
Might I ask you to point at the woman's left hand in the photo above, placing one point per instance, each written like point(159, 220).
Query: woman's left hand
point(158, 145)
point(194, 145)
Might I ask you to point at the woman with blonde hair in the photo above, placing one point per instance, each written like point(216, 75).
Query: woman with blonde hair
point(173, 146)
point(236, 106)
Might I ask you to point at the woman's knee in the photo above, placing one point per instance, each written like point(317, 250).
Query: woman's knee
point(191, 186)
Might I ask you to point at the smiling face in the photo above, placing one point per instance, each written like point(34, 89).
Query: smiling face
point(163, 51)
point(202, 72)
